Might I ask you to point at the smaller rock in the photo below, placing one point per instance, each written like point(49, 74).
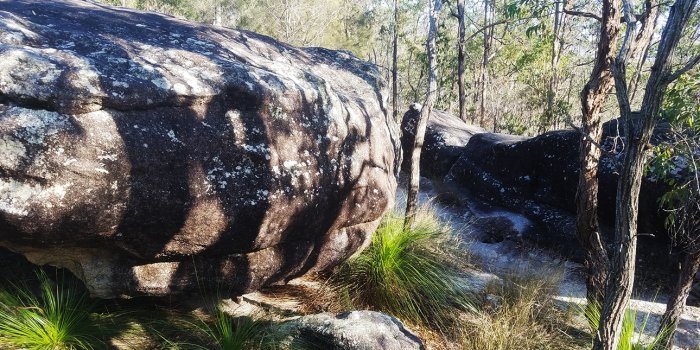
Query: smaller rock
point(354, 330)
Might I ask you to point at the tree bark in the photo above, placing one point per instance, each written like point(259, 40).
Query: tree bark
point(643, 42)
point(426, 110)
point(460, 60)
point(593, 96)
point(677, 300)
point(483, 81)
point(395, 65)
point(638, 132)
point(554, 65)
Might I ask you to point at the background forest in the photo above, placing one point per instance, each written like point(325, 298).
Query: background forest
point(525, 60)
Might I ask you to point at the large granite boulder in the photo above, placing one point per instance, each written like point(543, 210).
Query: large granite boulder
point(445, 137)
point(538, 177)
point(145, 153)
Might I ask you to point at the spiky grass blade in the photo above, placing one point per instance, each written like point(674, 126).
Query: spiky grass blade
point(591, 312)
point(234, 333)
point(56, 317)
point(413, 274)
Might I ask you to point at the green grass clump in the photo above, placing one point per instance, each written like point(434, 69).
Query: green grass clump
point(522, 316)
point(240, 333)
point(591, 312)
point(55, 317)
point(414, 274)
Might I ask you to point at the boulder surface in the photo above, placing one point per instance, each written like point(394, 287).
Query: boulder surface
point(148, 154)
point(354, 330)
point(445, 137)
point(538, 177)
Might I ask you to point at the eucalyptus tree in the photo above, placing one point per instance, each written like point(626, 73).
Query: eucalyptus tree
point(638, 129)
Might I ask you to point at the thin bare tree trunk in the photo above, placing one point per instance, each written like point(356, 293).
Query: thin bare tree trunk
point(554, 64)
point(395, 65)
point(460, 60)
point(642, 42)
point(677, 300)
point(593, 96)
point(638, 131)
point(483, 81)
point(426, 110)
point(218, 15)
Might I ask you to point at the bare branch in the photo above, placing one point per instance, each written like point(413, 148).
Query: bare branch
point(497, 23)
point(688, 66)
point(583, 14)
point(619, 65)
point(586, 136)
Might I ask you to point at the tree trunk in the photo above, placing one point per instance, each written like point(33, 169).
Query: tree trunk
point(414, 176)
point(677, 300)
point(620, 279)
point(593, 96)
point(460, 60)
point(218, 15)
point(643, 41)
point(483, 81)
point(554, 77)
point(395, 65)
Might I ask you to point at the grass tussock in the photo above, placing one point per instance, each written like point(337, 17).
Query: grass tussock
point(53, 316)
point(520, 313)
point(235, 333)
point(591, 312)
point(414, 274)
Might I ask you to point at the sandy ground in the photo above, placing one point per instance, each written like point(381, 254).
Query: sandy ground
point(499, 258)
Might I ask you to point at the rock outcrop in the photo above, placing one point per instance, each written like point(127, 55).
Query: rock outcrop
point(143, 152)
point(538, 177)
point(355, 330)
point(445, 137)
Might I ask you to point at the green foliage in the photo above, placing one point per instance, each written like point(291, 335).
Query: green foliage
point(514, 125)
point(413, 274)
point(591, 312)
point(57, 317)
point(675, 162)
point(229, 333)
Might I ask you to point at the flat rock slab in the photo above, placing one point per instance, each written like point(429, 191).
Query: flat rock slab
point(149, 155)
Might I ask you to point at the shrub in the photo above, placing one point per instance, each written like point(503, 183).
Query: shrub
point(57, 317)
point(523, 316)
point(414, 274)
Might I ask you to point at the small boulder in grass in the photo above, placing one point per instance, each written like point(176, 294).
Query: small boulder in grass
point(354, 330)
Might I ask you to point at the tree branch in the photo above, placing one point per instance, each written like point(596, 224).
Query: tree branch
point(583, 14)
point(688, 66)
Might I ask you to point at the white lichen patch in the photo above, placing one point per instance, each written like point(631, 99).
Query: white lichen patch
point(111, 157)
point(34, 126)
point(12, 152)
point(121, 84)
point(173, 137)
point(18, 198)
